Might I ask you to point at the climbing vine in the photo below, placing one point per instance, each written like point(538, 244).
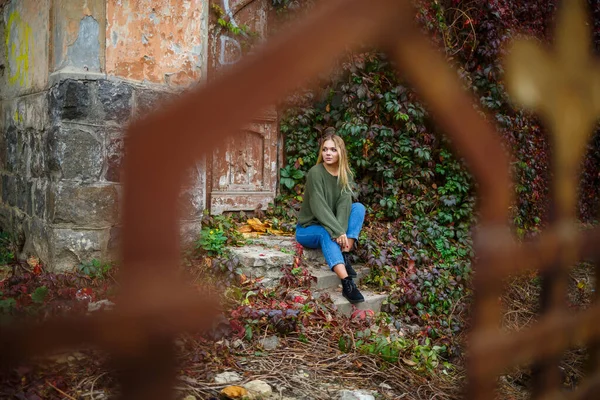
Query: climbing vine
point(420, 197)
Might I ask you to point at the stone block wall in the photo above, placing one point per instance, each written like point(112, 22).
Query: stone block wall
point(73, 75)
point(61, 168)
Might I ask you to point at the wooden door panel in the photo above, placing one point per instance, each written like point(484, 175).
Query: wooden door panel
point(243, 173)
point(244, 170)
point(240, 165)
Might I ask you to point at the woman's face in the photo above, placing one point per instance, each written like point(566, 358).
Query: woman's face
point(330, 153)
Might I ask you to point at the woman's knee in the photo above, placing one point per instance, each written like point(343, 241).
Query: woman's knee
point(314, 236)
point(324, 237)
point(359, 207)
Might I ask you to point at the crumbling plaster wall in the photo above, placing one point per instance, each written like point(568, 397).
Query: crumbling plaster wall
point(78, 35)
point(158, 41)
point(67, 94)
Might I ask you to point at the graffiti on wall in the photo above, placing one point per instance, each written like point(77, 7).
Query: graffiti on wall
point(230, 49)
point(239, 27)
point(19, 50)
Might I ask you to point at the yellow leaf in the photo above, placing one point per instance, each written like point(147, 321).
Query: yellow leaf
point(300, 161)
point(277, 232)
point(257, 225)
point(580, 284)
point(234, 392)
point(245, 229)
point(252, 235)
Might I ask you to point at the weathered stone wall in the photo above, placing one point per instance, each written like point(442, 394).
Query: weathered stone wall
point(24, 119)
point(63, 118)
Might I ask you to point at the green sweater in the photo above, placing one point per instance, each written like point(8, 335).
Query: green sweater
point(324, 203)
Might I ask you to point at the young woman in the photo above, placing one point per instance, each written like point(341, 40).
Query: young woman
point(328, 219)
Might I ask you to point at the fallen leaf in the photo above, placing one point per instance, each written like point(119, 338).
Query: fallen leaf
point(245, 229)
point(33, 261)
point(277, 232)
point(234, 392)
point(408, 362)
point(257, 225)
point(252, 235)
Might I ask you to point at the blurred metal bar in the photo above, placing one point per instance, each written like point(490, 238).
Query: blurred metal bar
point(154, 305)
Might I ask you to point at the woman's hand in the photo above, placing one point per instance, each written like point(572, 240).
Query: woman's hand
point(342, 240)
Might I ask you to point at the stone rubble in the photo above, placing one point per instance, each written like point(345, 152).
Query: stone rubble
point(356, 395)
point(270, 342)
point(259, 390)
point(227, 377)
point(105, 305)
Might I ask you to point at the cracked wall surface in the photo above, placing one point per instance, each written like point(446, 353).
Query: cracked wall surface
point(79, 35)
point(159, 41)
point(24, 27)
point(73, 74)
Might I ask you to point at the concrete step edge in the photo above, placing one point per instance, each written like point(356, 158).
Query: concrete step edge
point(373, 301)
point(328, 279)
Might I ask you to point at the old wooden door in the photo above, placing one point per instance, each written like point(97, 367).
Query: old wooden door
point(242, 174)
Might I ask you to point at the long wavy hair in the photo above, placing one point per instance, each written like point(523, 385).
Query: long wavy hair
point(345, 175)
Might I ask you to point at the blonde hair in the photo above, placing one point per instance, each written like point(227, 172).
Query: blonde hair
point(345, 175)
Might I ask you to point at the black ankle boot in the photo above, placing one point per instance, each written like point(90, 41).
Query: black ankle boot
point(351, 292)
point(349, 270)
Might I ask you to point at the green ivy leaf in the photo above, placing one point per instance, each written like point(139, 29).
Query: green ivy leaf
point(7, 305)
point(39, 294)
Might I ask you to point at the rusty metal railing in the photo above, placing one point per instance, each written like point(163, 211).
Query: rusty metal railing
point(155, 306)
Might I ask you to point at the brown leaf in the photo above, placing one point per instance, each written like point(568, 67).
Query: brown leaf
point(409, 362)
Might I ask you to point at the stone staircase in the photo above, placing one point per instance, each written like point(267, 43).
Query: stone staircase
point(266, 256)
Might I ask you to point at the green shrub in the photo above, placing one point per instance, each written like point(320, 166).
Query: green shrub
point(95, 268)
point(212, 241)
point(7, 254)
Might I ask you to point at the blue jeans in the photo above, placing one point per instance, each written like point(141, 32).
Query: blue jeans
point(315, 236)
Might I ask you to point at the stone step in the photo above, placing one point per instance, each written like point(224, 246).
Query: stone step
point(261, 261)
point(265, 256)
point(313, 255)
point(288, 243)
point(327, 279)
point(373, 301)
point(274, 242)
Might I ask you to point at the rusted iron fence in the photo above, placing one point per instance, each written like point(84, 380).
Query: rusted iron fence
point(155, 306)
